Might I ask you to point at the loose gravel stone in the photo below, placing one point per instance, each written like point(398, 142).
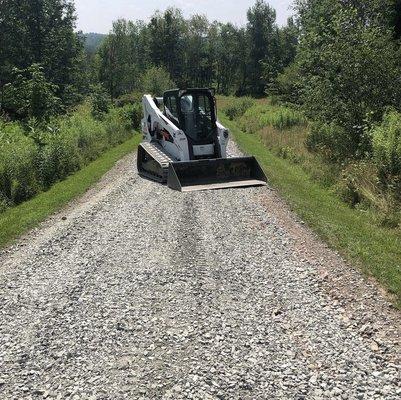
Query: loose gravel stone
point(140, 292)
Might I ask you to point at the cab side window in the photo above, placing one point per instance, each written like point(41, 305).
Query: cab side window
point(172, 106)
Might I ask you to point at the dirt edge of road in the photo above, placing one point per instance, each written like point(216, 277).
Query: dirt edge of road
point(344, 283)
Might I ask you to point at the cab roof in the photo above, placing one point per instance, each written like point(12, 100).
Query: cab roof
point(181, 92)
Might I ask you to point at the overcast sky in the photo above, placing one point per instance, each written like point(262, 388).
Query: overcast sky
point(97, 15)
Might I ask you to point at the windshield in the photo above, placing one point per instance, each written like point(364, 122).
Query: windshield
point(196, 110)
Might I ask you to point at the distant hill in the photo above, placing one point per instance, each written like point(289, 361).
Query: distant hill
point(93, 41)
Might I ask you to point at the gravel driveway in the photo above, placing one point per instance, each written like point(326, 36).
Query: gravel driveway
point(139, 292)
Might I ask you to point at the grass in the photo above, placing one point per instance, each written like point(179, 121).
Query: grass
point(354, 233)
point(17, 220)
point(278, 117)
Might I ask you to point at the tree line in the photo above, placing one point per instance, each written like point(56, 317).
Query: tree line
point(44, 69)
point(198, 53)
point(337, 60)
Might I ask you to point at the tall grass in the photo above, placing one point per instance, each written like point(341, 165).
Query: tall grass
point(362, 184)
point(265, 115)
point(32, 160)
point(352, 231)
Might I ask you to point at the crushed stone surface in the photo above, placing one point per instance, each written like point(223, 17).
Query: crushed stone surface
point(139, 292)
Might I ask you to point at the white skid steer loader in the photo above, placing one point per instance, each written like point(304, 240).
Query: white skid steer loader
point(185, 146)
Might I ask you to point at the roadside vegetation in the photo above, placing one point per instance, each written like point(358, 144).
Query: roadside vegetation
point(15, 221)
point(34, 156)
point(331, 128)
point(354, 232)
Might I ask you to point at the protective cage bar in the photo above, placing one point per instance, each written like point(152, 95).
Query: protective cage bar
point(215, 174)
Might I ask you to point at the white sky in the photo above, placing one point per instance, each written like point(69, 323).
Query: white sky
point(98, 15)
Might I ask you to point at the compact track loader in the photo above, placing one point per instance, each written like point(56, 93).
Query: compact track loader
point(185, 146)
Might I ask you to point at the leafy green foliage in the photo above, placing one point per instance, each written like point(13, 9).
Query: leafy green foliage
point(156, 81)
point(18, 159)
point(348, 66)
point(238, 106)
point(282, 118)
point(197, 53)
point(41, 33)
point(387, 148)
point(33, 162)
point(288, 84)
point(253, 116)
point(100, 101)
point(117, 70)
point(330, 140)
point(167, 32)
point(264, 45)
point(92, 41)
point(31, 95)
point(134, 113)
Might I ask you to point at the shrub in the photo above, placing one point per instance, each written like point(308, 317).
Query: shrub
point(129, 98)
point(331, 140)
point(386, 141)
point(31, 95)
point(265, 115)
point(238, 107)
point(282, 118)
point(288, 85)
point(156, 81)
point(118, 125)
point(349, 67)
point(59, 157)
point(18, 156)
point(132, 115)
point(100, 100)
point(31, 162)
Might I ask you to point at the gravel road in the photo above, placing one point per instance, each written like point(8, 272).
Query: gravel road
point(139, 292)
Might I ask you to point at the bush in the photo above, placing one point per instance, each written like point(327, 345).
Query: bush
point(118, 125)
point(59, 157)
point(386, 141)
point(130, 115)
point(31, 162)
point(264, 115)
point(288, 86)
point(18, 156)
point(129, 98)
point(238, 107)
point(349, 68)
point(156, 81)
point(31, 95)
point(331, 140)
point(282, 118)
point(100, 100)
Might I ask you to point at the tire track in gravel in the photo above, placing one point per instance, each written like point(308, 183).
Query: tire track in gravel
point(146, 293)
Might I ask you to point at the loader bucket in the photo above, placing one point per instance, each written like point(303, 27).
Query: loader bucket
point(215, 174)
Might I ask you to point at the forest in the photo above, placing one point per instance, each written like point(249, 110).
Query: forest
point(325, 89)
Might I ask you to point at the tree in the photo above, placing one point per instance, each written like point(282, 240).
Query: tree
point(116, 71)
point(31, 95)
point(156, 81)
point(167, 39)
point(348, 65)
point(42, 32)
point(397, 19)
point(263, 44)
point(197, 54)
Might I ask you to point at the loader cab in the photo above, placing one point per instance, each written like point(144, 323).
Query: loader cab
point(194, 112)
